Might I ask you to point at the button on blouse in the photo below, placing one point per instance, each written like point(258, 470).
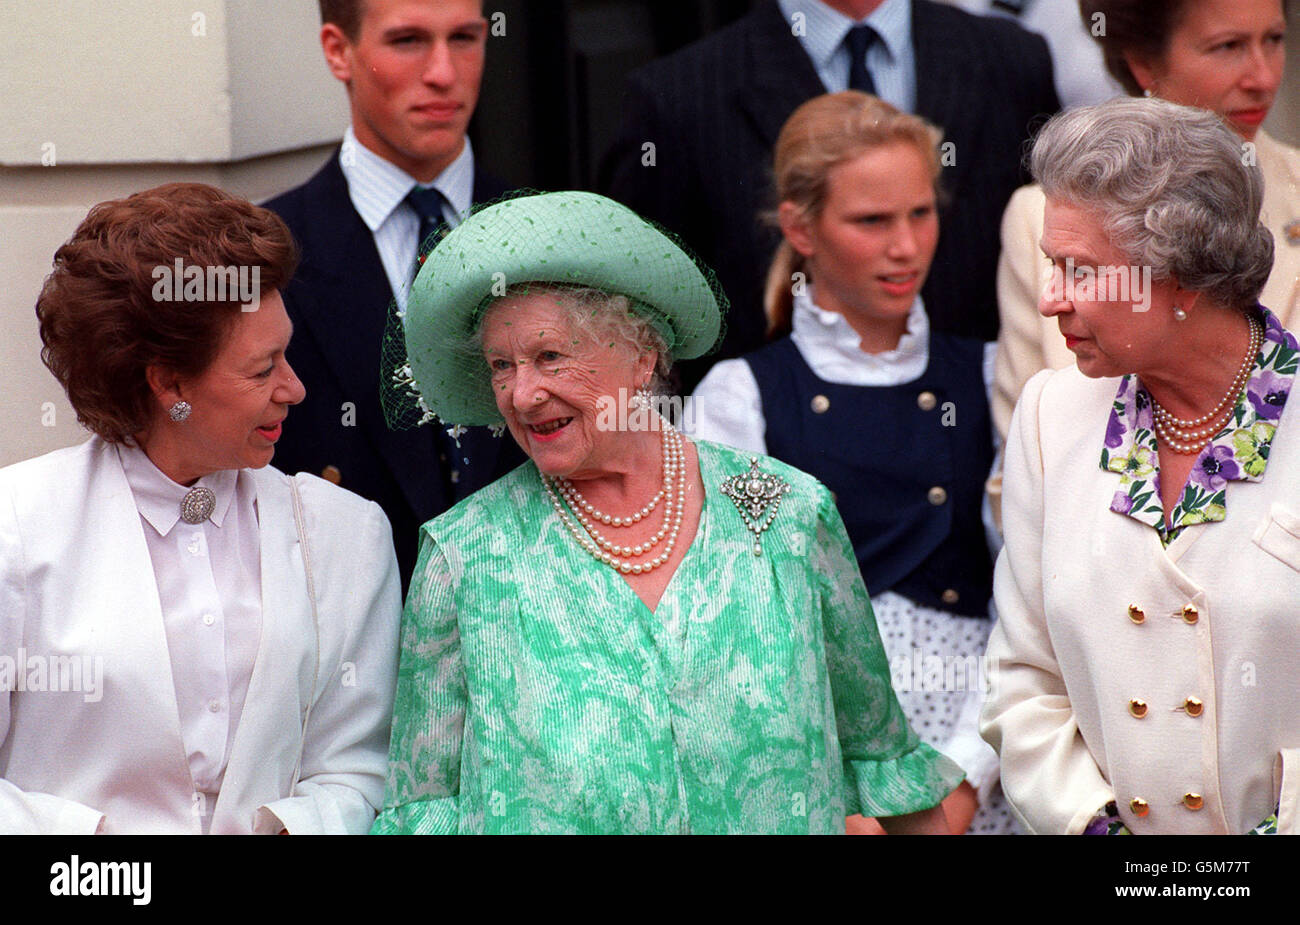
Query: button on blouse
point(209, 586)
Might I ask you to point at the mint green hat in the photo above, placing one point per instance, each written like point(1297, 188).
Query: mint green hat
point(569, 238)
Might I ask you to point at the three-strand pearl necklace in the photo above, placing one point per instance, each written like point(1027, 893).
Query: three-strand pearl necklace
point(1189, 436)
point(579, 516)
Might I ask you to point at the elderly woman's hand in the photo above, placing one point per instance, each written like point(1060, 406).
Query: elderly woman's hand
point(927, 822)
point(934, 821)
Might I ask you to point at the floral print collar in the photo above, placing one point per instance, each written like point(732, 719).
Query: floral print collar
point(1238, 452)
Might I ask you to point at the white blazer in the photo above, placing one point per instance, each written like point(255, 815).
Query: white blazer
point(1068, 659)
point(76, 580)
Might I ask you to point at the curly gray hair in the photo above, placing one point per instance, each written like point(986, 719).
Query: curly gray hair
point(600, 316)
point(1178, 191)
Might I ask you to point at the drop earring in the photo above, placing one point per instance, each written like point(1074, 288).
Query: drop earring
point(642, 398)
point(180, 411)
point(1179, 314)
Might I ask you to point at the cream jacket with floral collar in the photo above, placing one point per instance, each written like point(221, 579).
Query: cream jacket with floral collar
point(1165, 678)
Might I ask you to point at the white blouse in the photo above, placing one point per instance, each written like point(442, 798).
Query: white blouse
point(726, 407)
point(209, 584)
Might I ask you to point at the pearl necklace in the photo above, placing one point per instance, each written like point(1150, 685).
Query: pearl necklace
point(582, 506)
point(674, 507)
point(1196, 440)
point(577, 504)
point(1188, 436)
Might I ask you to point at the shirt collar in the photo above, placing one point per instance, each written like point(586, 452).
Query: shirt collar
point(831, 332)
point(386, 184)
point(158, 498)
point(1239, 452)
point(827, 27)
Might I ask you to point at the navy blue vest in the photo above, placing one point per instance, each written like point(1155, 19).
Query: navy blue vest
point(907, 465)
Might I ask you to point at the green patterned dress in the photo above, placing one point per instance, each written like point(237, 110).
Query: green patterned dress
point(537, 693)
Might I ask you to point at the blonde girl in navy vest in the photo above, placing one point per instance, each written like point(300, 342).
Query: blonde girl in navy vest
point(893, 417)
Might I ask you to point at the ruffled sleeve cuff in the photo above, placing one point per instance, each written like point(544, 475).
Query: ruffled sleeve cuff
point(909, 783)
point(422, 817)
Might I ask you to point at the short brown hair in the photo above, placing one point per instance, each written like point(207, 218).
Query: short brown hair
point(103, 326)
point(346, 14)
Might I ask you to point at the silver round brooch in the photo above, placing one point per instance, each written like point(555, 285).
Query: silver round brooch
point(198, 505)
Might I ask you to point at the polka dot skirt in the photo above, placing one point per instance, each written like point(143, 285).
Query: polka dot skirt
point(936, 666)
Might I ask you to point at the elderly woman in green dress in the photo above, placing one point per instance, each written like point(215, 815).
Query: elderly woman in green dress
point(632, 632)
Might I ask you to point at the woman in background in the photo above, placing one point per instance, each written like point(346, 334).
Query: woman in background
point(890, 416)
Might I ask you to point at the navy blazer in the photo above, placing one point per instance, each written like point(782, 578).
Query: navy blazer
point(338, 302)
point(714, 109)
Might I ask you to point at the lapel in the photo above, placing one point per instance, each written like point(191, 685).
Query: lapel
point(347, 309)
point(777, 75)
point(125, 573)
point(949, 71)
point(269, 734)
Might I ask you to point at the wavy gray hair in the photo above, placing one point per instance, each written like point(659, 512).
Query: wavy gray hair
point(599, 315)
point(1179, 192)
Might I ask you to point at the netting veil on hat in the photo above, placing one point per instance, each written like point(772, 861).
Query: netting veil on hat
point(573, 239)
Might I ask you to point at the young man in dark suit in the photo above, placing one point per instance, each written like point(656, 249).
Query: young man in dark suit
point(412, 69)
point(695, 152)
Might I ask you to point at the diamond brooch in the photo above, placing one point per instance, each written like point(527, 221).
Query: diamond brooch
point(757, 496)
point(198, 505)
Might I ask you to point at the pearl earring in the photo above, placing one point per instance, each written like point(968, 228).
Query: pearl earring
point(180, 411)
point(1179, 314)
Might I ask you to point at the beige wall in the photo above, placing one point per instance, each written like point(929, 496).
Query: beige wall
point(103, 99)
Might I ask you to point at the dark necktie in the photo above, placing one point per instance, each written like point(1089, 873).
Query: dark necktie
point(427, 201)
point(858, 41)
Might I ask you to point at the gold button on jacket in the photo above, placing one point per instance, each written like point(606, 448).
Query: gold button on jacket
point(937, 495)
point(1138, 708)
point(926, 401)
point(1135, 613)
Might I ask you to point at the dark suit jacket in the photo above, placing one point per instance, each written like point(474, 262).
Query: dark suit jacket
point(714, 110)
point(338, 302)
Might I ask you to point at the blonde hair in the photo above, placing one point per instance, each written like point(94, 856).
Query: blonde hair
point(820, 135)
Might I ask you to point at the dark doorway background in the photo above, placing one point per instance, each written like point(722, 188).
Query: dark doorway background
point(553, 88)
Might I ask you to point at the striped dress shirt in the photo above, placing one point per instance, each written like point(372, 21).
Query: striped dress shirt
point(378, 191)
